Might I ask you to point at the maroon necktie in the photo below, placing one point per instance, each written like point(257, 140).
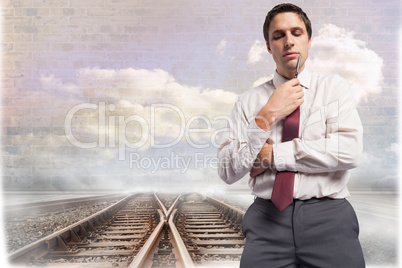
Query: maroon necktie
point(282, 193)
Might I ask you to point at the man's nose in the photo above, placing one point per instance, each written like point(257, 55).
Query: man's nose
point(289, 42)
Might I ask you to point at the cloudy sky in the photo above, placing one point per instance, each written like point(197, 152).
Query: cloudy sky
point(135, 94)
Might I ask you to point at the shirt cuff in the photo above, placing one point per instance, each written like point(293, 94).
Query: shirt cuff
point(284, 158)
point(256, 136)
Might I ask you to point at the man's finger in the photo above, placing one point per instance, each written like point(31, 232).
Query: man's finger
point(298, 88)
point(294, 82)
point(300, 94)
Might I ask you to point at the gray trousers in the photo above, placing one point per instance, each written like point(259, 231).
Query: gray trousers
point(316, 233)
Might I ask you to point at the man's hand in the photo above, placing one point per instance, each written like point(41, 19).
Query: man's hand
point(282, 102)
point(264, 159)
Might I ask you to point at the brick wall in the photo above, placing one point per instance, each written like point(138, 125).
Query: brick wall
point(201, 44)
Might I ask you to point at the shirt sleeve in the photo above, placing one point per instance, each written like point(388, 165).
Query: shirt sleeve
point(338, 148)
point(240, 145)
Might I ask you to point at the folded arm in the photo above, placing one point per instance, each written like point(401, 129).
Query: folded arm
point(339, 147)
point(240, 146)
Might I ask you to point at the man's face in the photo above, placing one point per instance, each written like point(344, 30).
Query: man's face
point(288, 39)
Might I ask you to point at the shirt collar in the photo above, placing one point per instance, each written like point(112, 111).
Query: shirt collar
point(304, 78)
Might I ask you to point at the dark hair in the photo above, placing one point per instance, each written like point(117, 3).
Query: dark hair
point(281, 8)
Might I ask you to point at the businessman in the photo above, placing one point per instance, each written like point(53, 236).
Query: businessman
point(296, 137)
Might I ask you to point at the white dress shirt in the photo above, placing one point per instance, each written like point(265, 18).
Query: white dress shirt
point(329, 143)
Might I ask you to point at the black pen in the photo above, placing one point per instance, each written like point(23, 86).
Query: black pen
point(297, 66)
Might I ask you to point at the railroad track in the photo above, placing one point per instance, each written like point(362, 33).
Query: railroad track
point(35, 207)
point(25, 224)
point(145, 230)
point(211, 230)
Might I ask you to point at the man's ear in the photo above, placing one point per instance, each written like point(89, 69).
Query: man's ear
point(309, 43)
point(269, 49)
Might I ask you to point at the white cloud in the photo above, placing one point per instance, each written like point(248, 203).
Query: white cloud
point(336, 50)
point(256, 52)
point(393, 148)
point(119, 95)
point(140, 94)
point(369, 160)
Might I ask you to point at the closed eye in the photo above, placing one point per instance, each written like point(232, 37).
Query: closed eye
point(297, 33)
point(277, 37)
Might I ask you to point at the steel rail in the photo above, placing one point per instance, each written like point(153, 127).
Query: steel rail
point(41, 247)
point(143, 254)
point(218, 202)
point(167, 218)
point(172, 207)
point(163, 208)
point(161, 205)
point(184, 255)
